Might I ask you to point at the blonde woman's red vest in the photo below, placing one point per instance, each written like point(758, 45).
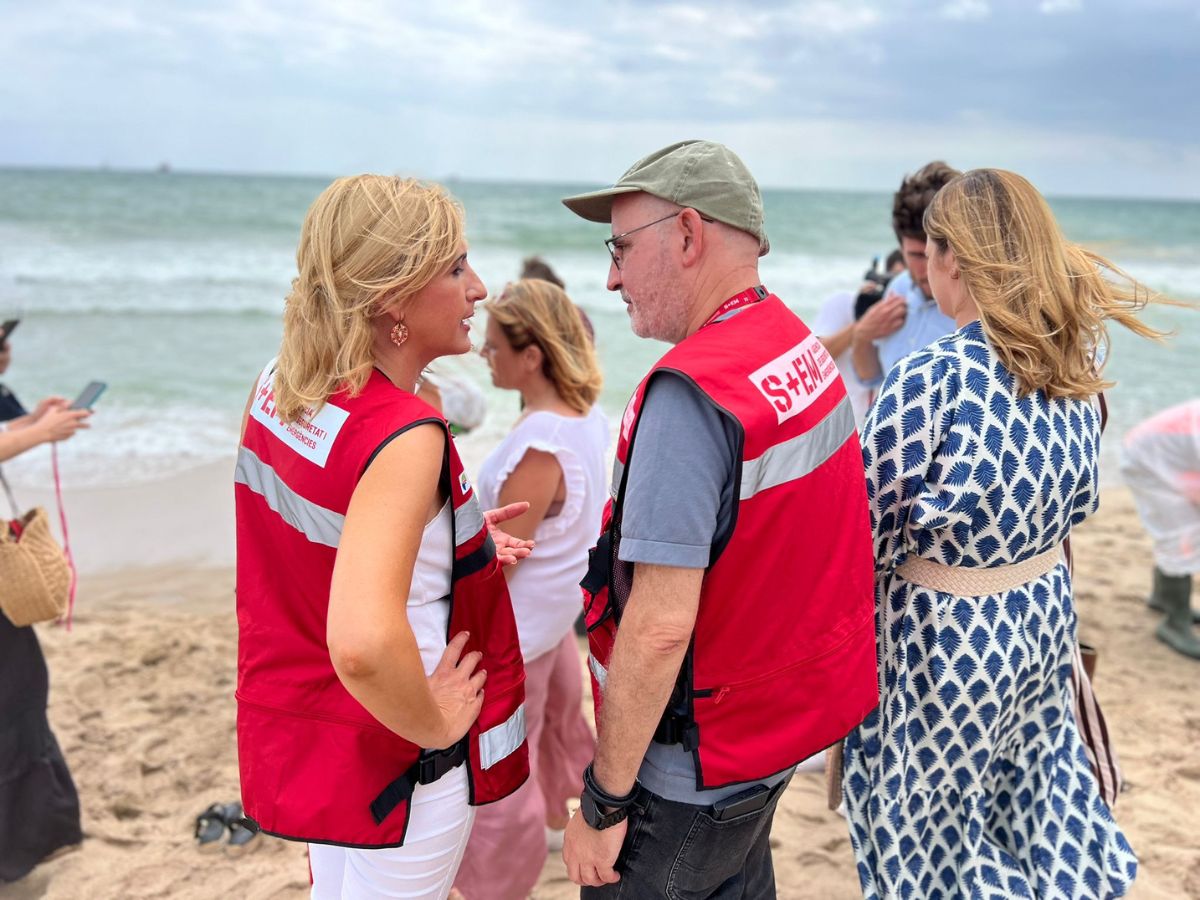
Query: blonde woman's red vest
point(315, 765)
point(782, 662)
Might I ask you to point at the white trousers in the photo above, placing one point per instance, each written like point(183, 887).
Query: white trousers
point(439, 824)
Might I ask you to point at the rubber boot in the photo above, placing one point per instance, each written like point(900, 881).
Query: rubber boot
point(1176, 628)
point(1155, 601)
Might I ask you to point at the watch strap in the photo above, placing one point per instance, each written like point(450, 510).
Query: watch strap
point(603, 797)
point(596, 819)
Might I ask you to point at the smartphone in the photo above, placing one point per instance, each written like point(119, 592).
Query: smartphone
point(89, 395)
point(8, 328)
point(742, 804)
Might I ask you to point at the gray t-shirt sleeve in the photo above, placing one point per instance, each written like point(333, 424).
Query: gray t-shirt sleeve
point(679, 495)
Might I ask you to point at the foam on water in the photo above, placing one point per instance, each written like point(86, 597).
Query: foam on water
point(131, 445)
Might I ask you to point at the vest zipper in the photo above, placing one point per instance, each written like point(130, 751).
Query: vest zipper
point(718, 693)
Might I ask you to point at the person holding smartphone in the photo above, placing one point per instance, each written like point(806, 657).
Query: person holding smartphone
point(52, 420)
point(14, 417)
point(39, 806)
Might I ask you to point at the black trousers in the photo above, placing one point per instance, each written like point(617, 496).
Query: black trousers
point(39, 807)
point(681, 852)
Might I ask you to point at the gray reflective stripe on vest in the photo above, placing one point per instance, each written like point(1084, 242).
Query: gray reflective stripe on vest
point(318, 524)
point(799, 456)
point(503, 740)
point(468, 521)
point(599, 671)
point(618, 473)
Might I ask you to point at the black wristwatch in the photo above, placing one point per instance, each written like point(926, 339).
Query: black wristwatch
point(594, 800)
point(592, 814)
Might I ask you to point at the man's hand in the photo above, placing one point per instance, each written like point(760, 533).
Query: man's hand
point(509, 550)
point(882, 319)
point(590, 854)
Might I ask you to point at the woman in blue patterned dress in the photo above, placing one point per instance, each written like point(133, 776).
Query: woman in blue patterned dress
point(981, 453)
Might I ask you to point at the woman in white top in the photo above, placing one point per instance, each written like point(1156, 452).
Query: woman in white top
point(553, 458)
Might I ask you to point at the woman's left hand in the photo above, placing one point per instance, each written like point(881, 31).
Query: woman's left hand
point(509, 550)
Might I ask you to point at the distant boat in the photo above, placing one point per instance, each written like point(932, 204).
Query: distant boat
point(164, 168)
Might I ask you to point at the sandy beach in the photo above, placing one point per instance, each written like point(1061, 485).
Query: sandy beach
point(142, 703)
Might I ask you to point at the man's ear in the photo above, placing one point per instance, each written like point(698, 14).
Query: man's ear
point(692, 228)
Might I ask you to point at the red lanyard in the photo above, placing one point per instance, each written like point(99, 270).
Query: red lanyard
point(745, 298)
point(62, 520)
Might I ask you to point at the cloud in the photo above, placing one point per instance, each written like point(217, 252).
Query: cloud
point(1053, 7)
point(307, 86)
point(966, 10)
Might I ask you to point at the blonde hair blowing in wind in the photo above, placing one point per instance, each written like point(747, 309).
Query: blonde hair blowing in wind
point(368, 244)
point(1043, 301)
point(532, 311)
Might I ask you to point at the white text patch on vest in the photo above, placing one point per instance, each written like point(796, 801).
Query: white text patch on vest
point(792, 381)
point(311, 436)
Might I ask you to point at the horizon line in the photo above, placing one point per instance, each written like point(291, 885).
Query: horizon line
point(452, 178)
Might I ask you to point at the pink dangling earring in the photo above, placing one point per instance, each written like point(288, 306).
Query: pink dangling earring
point(399, 333)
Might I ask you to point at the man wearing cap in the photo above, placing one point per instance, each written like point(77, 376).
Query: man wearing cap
point(729, 598)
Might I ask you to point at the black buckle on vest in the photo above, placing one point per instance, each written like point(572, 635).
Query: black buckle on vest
point(433, 764)
point(674, 729)
point(429, 767)
point(597, 576)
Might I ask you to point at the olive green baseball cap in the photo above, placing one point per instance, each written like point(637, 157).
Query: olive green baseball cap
point(704, 175)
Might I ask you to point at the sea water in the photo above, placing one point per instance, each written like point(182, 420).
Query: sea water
point(170, 288)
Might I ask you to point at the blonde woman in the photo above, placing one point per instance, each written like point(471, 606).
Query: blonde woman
point(981, 453)
point(536, 344)
point(380, 684)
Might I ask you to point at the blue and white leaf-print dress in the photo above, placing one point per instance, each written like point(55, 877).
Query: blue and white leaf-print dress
point(970, 779)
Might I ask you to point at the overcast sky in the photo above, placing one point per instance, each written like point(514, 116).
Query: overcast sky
point(1082, 96)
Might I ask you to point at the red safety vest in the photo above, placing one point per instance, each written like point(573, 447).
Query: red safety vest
point(315, 765)
point(782, 662)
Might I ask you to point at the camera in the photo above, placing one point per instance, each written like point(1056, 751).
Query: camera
point(874, 283)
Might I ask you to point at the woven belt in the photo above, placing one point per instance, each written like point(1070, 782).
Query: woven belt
point(978, 582)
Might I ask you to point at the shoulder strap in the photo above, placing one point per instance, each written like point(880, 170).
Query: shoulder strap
point(12, 501)
point(66, 535)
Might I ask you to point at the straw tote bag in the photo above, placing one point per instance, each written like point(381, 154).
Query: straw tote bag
point(35, 576)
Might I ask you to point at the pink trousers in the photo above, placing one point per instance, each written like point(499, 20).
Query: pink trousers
point(507, 847)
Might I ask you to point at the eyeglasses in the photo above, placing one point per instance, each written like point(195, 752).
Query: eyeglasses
point(614, 250)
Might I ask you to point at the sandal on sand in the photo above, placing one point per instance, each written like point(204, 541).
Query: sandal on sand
point(241, 835)
point(211, 824)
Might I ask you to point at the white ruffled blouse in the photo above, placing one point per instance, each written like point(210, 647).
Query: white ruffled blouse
point(545, 586)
